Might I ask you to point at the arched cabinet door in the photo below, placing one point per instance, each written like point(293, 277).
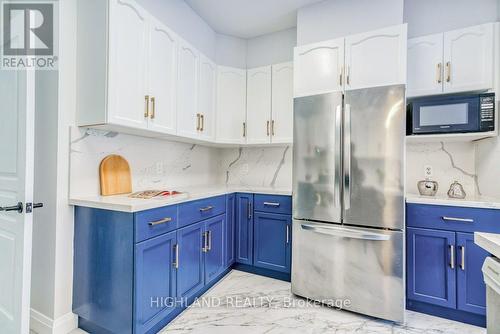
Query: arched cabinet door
point(128, 50)
point(468, 58)
point(282, 103)
point(376, 58)
point(318, 67)
point(188, 91)
point(259, 105)
point(206, 101)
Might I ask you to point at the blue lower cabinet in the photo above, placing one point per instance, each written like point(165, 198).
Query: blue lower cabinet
point(471, 287)
point(244, 228)
point(272, 241)
point(229, 230)
point(214, 248)
point(155, 280)
point(431, 267)
point(190, 272)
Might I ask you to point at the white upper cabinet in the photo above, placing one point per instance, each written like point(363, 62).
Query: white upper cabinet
point(282, 103)
point(162, 78)
point(231, 105)
point(259, 105)
point(128, 45)
point(188, 120)
point(376, 58)
point(206, 101)
point(425, 65)
point(318, 67)
point(468, 58)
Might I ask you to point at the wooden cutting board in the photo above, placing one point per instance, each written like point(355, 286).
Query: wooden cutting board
point(114, 173)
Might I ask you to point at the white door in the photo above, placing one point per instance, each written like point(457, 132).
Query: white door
point(282, 103)
point(259, 105)
point(376, 58)
point(188, 120)
point(16, 186)
point(319, 67)
point(206, 101)
point(162, 78)
point(128, 46)
point(231, 105)
point(425, 65)
point(468, 56)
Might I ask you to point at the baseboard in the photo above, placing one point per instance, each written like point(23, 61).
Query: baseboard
point(41, 324)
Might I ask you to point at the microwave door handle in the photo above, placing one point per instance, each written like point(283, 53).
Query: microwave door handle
point(347, 157)
point(343, 232)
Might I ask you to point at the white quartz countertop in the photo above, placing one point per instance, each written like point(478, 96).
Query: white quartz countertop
point(469, 201)
point(126, 204)
point(488, 241)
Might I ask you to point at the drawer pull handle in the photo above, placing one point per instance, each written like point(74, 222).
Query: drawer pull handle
point(161, 221)
point(452, 257)
point(453, 219)
point(208, 208)
point(176, 251)
point(273, 204)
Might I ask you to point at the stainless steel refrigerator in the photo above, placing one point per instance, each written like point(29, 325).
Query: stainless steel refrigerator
point(348, 200)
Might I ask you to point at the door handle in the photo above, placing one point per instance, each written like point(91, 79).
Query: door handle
point(452, 256)
point(344, 232)
point(438, 73)
point(209, 240)
point(288, 234)
point(448, 71)
point(153, 107)
point(198, 126)
point(18, 207)
point(267, 131)
point(205, 244)
point(202, 127)
point(272, 127)
point(338, 149)
point(146, 106)
point(249, 210)
point(244, 129)
point(347, 157)
point(176, 252)
point(348, 75)
point(462, 257)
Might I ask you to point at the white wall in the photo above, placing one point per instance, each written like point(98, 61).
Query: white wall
point(430, 16)
point(271, 48)
point(179, 17)
point(231, 51)
point(336, 18)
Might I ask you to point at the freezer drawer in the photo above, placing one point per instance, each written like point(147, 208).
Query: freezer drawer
point(362, 268)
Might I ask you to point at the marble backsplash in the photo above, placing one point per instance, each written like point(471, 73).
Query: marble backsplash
point(488, 166)
point(163, 164)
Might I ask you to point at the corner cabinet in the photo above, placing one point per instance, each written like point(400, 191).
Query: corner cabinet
point(282, 103)
point(455, 61)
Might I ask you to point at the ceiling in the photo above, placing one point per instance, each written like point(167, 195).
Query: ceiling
point(249, 18)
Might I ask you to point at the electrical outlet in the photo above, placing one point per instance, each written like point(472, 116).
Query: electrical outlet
point(244, 169)
point(428, 171)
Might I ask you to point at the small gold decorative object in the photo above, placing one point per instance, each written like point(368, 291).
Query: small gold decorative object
point(456, 191)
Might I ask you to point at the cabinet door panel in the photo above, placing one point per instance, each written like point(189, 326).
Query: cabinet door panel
point(259, 105)
point(187, 96)
point(162, 78)
point(244, 228)
point(376, 58)
point(425, 65)
point(214, 254)
point(318, 67)
point(431, 278)
point(155, 280)
point(206, 103)
point(231, 105)
point(190, 274)
point(128, 46)
point(282, 103)
point(272, 241)
point(469, 53)
point(470, 284)
point(229, 230)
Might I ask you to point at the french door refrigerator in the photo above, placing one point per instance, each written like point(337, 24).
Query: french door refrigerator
point(348, 200)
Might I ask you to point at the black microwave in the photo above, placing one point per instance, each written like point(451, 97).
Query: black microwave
point(451, 114)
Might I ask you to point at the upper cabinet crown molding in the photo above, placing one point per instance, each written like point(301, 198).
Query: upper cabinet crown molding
point(455, 61)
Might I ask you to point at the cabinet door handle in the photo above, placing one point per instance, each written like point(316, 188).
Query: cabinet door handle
point(448, 71)
point(202, 127)
point(272, 127)
point(209, 240)
point(267, 126)
point(288, 234)
point(249, 210)
point(176, 252)
point(153, 107)
point(204, 248)
point(439, 72)
point(198, 126)
point(207, 208)
point(462, 259)
point(244, 129)
point(461, 220)
point(273, 204)
point(452, 256)
point(341, 75)
point(146, 106)
point(348, 76)
point(161, 221)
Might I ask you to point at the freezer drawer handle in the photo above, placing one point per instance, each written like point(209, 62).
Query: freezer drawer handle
point(453, 219)
point(346, 232)
point(273, 204)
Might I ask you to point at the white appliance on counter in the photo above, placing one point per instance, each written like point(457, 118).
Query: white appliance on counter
point(348, 200)
point(491, 271)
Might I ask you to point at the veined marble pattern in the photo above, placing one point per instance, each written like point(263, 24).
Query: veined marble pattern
point(487, 162)
point(244, 303)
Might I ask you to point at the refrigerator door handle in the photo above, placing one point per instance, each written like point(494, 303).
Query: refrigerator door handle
point(344, 232)
point(338, 149)
point(347, 157)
